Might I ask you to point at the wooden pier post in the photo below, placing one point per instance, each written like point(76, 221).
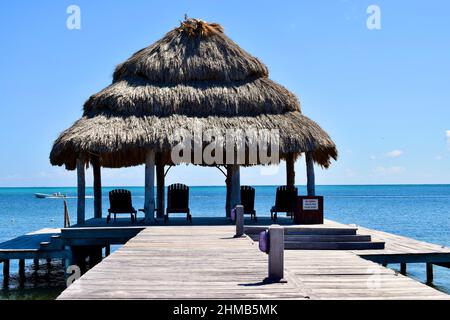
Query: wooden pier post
point(429, 273)
point(160, 203)
point(239, 221)
point(79, 257)
point(228, 197)
point(95, 255)
point(36, 264)
point(311, 184)
point(5, 271)
point(107, 250)
point(235, 185)
point(81, 191)
point(290, 170)
point(96, 169)
point(276, 253)
point(403, 268)
point(149, 200)
point(22, 269)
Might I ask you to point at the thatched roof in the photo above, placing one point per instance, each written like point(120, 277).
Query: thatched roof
point(195, 76)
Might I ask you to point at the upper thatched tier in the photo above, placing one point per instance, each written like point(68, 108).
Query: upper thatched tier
point(194, 76)
point(195, 51)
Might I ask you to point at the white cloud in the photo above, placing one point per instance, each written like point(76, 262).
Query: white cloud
point(438, 157)
point(394, 154)
point(380, 170)
point(447, 136)
point(373, 157)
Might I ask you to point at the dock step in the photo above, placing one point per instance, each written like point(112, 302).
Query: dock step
point(321, 238)
point(295, 245)
point(55, 243)
point(306, 230)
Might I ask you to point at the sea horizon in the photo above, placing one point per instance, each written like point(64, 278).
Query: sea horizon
point(256, 185)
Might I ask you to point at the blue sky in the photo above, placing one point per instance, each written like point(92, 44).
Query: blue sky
point(383, 95)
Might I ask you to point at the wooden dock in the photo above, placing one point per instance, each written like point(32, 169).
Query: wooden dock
point(206, 262)
point(41, 244)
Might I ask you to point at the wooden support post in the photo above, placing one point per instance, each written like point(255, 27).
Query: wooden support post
point(5, 270)
point(96, 168)
point(228, 197)
point(95, 255)
point(22, 269)
point(403, 268)
point(235, 186)
point(79, 257)
point(290, 170)
point(429, 273)
point(384, 265)
point(276, 253)
point(149, 201)
point(311, 184)
point(81, 196)
point(67, 262)
point(160, 203)
point(36, 264)
point(107, 250)
point(239, 221)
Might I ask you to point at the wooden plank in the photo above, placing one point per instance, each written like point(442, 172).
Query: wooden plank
point(206, 262)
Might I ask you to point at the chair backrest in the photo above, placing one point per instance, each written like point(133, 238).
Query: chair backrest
point(120, 200)
point(248, 198)
point(286, 198)
point(178, 196)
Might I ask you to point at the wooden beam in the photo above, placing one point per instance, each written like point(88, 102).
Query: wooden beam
point(160, 177)
point(290, 170)
point(81, 187)
point(311, 184)
point(96, 168)
point(235, 185)
point(429, 273)
point(149, 200)
point(228, 197)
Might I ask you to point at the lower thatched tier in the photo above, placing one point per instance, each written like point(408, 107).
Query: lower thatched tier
point(122, 141)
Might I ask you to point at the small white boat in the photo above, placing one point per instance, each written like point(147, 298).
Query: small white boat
point(52, 195)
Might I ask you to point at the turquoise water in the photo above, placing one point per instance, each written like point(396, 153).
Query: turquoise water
point(418, 211)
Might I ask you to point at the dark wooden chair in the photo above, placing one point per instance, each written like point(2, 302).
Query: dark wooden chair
point(248, 201)
point(120, 203)
point(285, 201)
point(178, 201)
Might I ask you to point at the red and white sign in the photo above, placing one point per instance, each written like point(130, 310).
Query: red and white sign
point(310, 204)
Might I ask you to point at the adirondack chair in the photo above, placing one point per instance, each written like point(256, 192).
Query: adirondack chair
point(248, 201)
point(285, 201)
point(178, 201)
point(120, 203)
